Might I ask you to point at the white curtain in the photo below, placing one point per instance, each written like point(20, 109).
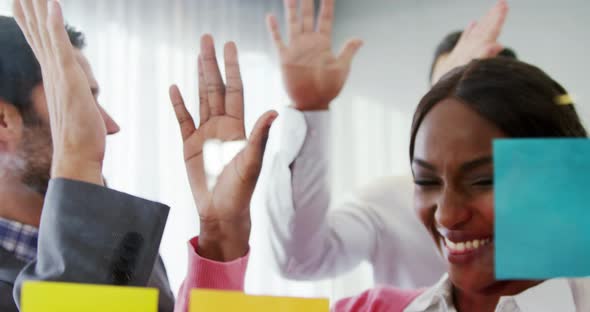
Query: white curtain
point(5, 8)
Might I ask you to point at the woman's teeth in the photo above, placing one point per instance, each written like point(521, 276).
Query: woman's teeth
point(467, 245)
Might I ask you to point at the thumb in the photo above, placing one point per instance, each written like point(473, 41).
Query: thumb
point(254, 151)
point(349, 51)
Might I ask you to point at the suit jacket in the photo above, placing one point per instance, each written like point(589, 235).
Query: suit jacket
point(91, 234)
point(10, 266)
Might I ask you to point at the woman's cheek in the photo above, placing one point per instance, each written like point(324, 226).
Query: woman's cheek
point(425, 207)
point(485, 206)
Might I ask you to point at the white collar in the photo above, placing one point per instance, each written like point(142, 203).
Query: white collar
point(440, 293)
point(551, 295)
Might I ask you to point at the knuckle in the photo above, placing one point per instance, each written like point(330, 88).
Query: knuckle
point(215, 88)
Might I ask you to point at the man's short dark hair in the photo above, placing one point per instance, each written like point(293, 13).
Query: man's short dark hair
point(19, 69)
point(450, 41)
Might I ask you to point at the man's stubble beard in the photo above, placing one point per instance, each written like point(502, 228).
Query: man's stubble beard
point(36, 153)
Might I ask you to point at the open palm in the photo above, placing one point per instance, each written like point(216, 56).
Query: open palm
point(78, 131)
point(312, 74)
point(221, 109)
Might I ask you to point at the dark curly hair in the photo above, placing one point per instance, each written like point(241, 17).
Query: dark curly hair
point(520, 99)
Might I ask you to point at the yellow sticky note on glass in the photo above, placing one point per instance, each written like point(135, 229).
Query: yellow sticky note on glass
point(65, 297)
point(225, 301)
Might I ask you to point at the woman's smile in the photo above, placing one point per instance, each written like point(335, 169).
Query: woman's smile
point(463, 248)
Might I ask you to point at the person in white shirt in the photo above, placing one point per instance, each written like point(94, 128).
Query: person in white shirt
point(310, 240)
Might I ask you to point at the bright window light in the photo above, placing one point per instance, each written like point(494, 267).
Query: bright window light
point(5, 9)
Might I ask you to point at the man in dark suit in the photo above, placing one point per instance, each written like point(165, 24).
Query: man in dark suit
point(51, 161)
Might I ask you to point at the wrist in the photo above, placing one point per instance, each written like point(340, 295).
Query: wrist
point(311, 108)
point(78, 170)
point(224, 241)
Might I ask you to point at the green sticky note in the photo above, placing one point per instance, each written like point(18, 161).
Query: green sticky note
point(229, 301)
point(65, 297)
point(542, 208)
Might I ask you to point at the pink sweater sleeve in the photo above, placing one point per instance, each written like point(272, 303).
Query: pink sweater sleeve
point(207, 274)
point(204, 273)
point(379, 299)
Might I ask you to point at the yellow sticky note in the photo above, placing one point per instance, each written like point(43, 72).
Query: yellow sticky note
point(225, 301)
point(65, 297)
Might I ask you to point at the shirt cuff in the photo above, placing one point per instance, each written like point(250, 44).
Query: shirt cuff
point(317, 138)
point(122, 234)
point(209, 274)
point(298, 134)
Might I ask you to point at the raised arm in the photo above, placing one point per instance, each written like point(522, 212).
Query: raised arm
point(88, 233)
point(308, 241)
point(218, 257)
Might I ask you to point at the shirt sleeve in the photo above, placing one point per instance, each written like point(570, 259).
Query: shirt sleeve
point(207, 274)
point(309, 240)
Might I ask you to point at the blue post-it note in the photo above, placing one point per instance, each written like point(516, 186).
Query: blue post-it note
point(542, 208)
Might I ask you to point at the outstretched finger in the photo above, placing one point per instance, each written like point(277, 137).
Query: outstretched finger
point(293, 25)
point(25, 17)
point(307, 15)
point(41, 14)
point(326, 19)
point(215, 85)
point(491, 24)
point(466, 33)
point(254, 151)
point(349, 51)
point(19, 16)
point(185, 120)
point(273, 29)
point(203, 96)
point(60, 41)
point(234, 91)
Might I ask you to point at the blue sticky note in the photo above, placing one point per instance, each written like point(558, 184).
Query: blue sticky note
point(542, 208)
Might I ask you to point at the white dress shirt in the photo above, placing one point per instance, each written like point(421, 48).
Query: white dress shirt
point(312, 241)
point(555, 295)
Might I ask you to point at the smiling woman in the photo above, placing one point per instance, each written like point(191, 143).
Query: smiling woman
point(451, 153)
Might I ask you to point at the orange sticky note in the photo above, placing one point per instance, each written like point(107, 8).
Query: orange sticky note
point(226, 301)
point(66, 297)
